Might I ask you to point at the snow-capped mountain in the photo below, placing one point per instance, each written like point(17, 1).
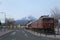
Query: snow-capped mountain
point(25, 20)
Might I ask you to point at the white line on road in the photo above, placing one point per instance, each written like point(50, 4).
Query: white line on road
point(13, 39)
point(17, 30)
point(23, 31)
point(26, 35)
point(13, 33)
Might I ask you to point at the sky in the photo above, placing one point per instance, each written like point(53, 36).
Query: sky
point(18, 9)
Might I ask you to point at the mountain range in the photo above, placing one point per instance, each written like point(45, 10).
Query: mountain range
point(25, 20)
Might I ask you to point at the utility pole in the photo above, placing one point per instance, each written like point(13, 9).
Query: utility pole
point(5, 17)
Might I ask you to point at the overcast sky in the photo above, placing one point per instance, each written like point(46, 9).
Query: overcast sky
point(18, 9)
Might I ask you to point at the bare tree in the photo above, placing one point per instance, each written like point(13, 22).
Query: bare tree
point(10, 21)
point(55, 13)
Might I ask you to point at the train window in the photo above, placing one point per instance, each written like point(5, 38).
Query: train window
point(51, 21)
point(48, 21)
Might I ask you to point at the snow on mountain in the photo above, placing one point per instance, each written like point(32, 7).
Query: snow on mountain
point(25, 20)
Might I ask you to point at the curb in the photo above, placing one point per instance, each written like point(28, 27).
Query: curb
point(42, 35)
point(6, 33)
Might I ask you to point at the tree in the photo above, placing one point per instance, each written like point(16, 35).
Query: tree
point(55, 13)
point(9, 21)
point(0, 23)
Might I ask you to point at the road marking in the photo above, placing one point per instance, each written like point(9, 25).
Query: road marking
point(23, 31)
point(13, 39)
point(17, 30)
point(13, 33)
point(26, 35)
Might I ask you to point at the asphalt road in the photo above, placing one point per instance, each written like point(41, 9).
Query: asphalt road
point(21, 34)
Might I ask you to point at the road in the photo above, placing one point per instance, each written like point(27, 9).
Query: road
point(21, 34)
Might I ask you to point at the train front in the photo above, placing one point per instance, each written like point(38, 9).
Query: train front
point(48, 25)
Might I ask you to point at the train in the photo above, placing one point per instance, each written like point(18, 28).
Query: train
point(45, 24)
